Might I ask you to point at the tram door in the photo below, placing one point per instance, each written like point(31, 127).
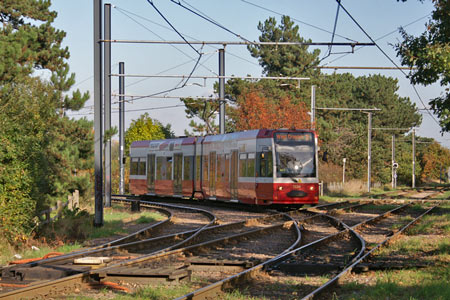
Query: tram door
point(212, 173)
point(151, 173)
point(234, 175)
point(177, 172)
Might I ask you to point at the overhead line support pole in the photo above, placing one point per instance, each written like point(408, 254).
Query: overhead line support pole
point(107, 102)
point(413, 158)
point(313, 106)
point(394, 179)
point(98, 85)
point(121, 127)
point(369, 149)
point(222, 91)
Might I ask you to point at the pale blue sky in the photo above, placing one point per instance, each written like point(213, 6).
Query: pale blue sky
point(132, 19)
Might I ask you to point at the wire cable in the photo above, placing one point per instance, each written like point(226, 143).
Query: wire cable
point(198, 13)
point(168, 28)
point(170, 24)
point(387, 56)
point(299, 21)
point(332, 36)
point(380, 38)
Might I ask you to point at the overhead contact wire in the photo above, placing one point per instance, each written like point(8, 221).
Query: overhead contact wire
point(203, 16)
point(387, 56)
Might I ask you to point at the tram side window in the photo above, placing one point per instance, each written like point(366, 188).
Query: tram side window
point(134, 166)
point(220, 167)
point(251, 165)
point(137, 166)
point(169, 168)
point(227, 167)
point(243, 165)
point(197, 166)
point(160, 168)
point(188, 164)
point(205, 167)
point(141, 166)
point(265, 164)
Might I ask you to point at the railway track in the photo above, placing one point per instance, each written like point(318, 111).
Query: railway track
point(330, 251)
point(26, 280)
point(326, 239)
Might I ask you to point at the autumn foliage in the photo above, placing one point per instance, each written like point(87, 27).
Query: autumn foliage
point(255, 111)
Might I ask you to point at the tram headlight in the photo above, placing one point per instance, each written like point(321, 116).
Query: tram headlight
point(280, 188)
point(311, 188)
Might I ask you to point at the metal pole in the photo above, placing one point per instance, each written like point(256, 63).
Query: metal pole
point(107, 102)
point(121, 127)
point(369, 149)
point(393, 161)
point(222, 91)
point(313, 106)
point(98, 218)
point(413, 158)
point(343, 171)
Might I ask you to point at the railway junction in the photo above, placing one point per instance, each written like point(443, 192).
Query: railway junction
point(214, 248)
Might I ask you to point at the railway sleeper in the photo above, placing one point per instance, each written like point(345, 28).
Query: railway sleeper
point(45, 272)
point(177, 273)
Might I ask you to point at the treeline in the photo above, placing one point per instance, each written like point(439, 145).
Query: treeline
point(343, 134)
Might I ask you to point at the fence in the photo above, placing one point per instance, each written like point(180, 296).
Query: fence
point(351, 187)
point(73, 201)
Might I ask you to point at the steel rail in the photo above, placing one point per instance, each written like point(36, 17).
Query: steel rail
point(95, 249)
point(369, 253)
point(215, 288)
point(116, 243)
point(61, 285)
point(82, 276)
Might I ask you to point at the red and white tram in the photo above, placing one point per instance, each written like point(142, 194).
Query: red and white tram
point(259, 167)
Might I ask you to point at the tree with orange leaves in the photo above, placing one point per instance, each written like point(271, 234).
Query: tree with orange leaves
point(254, 111)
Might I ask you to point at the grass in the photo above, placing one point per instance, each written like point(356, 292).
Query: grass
point(428, 243)
point(445, 195)
point(430, 283)
point(116, 220)
point(65, 235)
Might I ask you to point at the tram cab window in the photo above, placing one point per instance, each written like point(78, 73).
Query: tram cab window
point(265, 164)
point(295, 154)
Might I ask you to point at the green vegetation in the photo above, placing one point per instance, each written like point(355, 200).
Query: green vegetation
point(43, 154)
point(428, 57)
point(430, 283)
point(75, 227)
point(427, 243)
point(146, 128)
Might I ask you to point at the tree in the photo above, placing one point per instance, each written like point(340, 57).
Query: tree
point(429, 55)
point(43, 155)
point(289, 60)
point(205, 110)
point(254, 111)
point(145, 128)
point(434, 159)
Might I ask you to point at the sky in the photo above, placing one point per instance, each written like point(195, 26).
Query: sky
point(139, 20)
